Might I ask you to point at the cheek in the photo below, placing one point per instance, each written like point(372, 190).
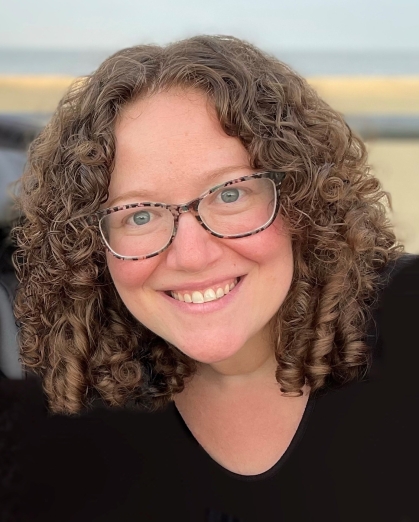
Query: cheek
point(271, 252)
point(272, 246)
point(127, 274)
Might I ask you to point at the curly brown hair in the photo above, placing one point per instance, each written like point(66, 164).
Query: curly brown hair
point(74, 329)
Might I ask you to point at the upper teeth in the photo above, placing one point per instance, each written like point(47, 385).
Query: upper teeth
point(210, 294)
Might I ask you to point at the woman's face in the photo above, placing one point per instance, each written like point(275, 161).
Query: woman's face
point(170, 148)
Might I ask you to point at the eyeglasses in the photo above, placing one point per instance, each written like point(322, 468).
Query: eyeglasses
point(238, 208)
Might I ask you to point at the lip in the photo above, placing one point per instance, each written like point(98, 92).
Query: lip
point(203, 285)
point(208, 307)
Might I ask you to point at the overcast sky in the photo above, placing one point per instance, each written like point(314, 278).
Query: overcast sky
point(273, 24)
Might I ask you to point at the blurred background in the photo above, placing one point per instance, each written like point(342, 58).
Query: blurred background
point(361, 55)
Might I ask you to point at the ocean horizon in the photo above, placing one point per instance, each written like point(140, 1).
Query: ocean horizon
point(308, 63)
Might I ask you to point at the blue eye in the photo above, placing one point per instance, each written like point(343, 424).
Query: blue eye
point(141, 218)
point(230, 195)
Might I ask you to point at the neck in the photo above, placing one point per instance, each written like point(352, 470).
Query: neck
point(239, 371)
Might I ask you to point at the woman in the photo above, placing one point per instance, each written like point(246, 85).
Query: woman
point(203, 237)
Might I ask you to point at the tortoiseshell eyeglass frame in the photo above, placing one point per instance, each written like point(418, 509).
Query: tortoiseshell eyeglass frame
point(192, 206)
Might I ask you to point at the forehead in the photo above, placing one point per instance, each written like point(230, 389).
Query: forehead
point(172, 145)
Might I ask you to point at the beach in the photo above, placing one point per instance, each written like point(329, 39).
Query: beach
point(395, 162)
point(348, 94)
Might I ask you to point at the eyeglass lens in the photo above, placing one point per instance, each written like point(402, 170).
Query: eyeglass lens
point(234, 210)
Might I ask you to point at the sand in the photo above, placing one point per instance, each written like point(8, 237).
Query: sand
point(350, 95)
point(374, 95)
point(396, 164)
point(32, 93)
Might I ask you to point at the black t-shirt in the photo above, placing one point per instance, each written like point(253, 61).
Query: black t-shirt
point(354, 457)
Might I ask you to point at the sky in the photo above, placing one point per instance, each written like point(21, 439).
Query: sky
point(287, 24)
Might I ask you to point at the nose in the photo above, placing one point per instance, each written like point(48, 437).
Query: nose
point(193, 248)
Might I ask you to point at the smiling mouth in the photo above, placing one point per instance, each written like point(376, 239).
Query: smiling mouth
point(204, 296)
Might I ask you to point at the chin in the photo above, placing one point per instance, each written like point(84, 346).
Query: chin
point(210, 352)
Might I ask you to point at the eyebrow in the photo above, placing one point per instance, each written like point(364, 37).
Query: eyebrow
point(210, 177)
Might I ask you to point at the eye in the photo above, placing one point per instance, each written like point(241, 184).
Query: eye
point(139, 218)
point(230, 195)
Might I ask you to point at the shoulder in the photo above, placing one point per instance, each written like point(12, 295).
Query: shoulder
point(400, 271)
point(400, 295)
point(397, 319)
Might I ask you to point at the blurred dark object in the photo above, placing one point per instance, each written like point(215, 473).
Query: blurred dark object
point(18, 130)
point(16, 133)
